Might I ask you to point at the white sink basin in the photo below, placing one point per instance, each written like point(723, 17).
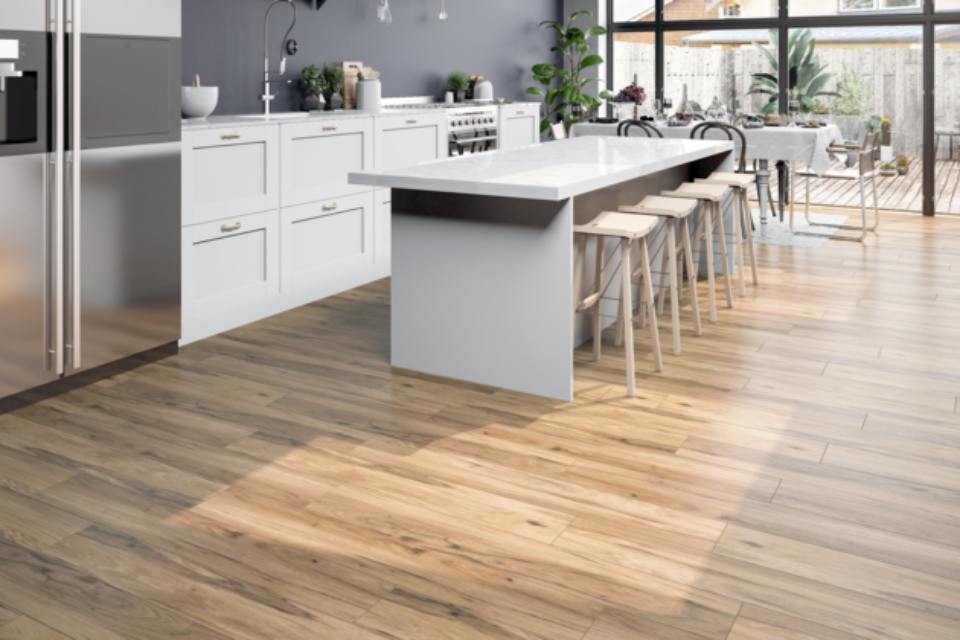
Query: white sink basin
point(277, 116)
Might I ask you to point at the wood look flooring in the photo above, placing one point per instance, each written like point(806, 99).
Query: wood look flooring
point(794, 475)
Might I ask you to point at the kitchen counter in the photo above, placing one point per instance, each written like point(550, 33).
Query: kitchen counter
point(482, 252)
point(551, 172)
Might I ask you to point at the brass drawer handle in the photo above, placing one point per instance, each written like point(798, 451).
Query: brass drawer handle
point(329, 128)
point(229, 136)
point(230, 228)
point(411, 121)
point(521, 113)
point(330, 207)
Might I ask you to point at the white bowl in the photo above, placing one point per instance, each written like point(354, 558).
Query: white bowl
point(198, 102)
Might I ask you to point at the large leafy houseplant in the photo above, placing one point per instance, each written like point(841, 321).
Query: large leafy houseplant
point(565, 90)
point(808, 77)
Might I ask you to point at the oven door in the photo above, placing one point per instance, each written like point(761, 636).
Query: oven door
point(465, 143)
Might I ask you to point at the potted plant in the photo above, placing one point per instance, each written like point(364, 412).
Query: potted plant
point(312, 86)
point(886, 148)
point(333, 79)
point(627, 103)
point(888, 169)
point(808, 76)
point(459, 82)
point(903, 165)
point(565, 90)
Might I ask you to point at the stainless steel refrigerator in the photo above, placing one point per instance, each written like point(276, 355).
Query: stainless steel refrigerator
point(89, 184)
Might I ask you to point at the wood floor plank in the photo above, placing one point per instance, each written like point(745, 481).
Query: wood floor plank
point(793, 475)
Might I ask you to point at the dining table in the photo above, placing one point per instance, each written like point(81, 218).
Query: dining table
point(784, 146)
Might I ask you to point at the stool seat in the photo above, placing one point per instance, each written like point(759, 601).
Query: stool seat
point(739, 180)
point(664, 207)
point(700, 191)
point(619, 225)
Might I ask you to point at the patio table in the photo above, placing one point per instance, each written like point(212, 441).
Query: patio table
point(783, 145)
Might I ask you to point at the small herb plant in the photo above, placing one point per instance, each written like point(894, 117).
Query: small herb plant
point(312, 82)
point(458, 81)
point(564, 88)
point(333, 77)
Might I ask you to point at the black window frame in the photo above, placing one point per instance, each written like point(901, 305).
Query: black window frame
point(928, 18)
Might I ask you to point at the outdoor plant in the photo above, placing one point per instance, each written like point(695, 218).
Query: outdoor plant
point(808, 78)
point(564, 88)
point(312, 82)
point(903, 165)
point(851, 94)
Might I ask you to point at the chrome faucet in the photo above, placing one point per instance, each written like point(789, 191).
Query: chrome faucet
point(268, 97)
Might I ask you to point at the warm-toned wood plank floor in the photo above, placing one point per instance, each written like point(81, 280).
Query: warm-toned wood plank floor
point(795, 475)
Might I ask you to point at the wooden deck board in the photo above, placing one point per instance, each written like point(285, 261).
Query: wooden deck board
point(898, 193)
point(793, 475)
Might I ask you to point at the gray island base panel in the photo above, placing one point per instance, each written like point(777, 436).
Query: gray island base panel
point(482, 249)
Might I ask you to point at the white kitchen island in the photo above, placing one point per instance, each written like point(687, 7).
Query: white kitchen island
point(482, 251)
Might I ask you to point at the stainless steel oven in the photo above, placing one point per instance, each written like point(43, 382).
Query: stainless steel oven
point(473, 129)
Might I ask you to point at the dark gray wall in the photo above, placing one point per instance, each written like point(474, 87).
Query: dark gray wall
point(498, 38)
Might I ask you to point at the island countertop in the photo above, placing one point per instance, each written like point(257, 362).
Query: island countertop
point(553, 172)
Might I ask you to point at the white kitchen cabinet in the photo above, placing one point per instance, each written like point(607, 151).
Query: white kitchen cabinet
point(382, 231)
point(405, 140)
point(318, 156)
point(519, 125)
point(327, 247)
point(230, 172)
point(231, 273)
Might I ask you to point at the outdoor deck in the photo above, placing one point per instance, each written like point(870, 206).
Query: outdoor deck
point(899, 193)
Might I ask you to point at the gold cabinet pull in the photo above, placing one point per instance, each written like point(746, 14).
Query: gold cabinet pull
point(230, 228)
point(330, 207)
point(329, 128)
point(412, 121)
point(229, 136)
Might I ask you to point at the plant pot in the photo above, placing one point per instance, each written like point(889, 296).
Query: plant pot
point(903, 170)
point(334, 101)
point(888, 173)
point(459, 96)
point(886, 153)
point(314, 103)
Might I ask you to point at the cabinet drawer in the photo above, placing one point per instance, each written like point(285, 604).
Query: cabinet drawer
point(328, 247)
point(317, 157)
point(230, 273)
point(519, 126)
point(230, 173)
point(403, 141)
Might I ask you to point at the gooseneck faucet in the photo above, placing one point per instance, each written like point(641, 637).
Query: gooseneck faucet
point(268, 97)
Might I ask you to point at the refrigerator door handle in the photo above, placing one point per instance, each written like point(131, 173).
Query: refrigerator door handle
point(76, 32)
point(56, 208)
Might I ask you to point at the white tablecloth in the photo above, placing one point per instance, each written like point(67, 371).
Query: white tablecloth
point(795, 145)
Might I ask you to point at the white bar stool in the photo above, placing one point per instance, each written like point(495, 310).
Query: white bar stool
point(743, 221)
point(710, 197)
point(674, 210)
point(629, 228)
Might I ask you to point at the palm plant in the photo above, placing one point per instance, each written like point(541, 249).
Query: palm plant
point(808, 78)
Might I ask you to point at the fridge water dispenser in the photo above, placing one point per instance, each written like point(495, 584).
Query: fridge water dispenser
point(19, 96)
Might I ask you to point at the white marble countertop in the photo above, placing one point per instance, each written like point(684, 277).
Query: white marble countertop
point(552, 171)
point(255, 120)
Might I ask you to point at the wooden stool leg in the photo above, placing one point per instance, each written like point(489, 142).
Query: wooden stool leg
point(664, 266)
point(711, 266)
point(674, 283)
point(692, 270)
point(654, 330)
point(738, 244)
point(626, 299)
point(724, 253)
point(597, 320)
point(750, 244)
